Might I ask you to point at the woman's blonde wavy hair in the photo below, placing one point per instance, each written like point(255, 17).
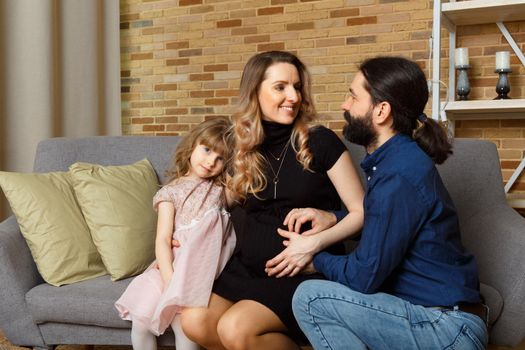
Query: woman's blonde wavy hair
point(248, 162)
point(217, 135)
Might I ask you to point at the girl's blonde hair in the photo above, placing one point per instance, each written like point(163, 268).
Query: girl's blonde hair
point(248, 164)
point(217, 135)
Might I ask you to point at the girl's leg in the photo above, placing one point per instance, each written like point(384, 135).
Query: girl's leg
point(200, 324)
point(181, 340)
point(251, 325)
point(142, 338)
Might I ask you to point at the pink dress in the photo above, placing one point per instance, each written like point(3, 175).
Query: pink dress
point(207, 239)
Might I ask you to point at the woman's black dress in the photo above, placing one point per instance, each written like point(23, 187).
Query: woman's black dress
point(258, 240)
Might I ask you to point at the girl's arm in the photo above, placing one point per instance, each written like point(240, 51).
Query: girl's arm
point(163, 252)
point(301, 249)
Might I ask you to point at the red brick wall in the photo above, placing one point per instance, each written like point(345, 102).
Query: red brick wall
point(181, 64)
point(182, 60)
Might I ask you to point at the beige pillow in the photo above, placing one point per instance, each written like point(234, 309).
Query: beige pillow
point(52, 224)
point(117, 204)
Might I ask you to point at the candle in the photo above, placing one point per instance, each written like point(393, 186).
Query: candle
point(461, 56)
point(503, 60)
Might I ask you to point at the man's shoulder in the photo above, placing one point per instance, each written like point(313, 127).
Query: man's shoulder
point(410, 164)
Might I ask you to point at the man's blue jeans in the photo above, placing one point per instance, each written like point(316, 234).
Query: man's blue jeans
point(334, 316)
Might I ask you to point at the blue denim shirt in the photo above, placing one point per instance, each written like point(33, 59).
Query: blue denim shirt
point(410, 244)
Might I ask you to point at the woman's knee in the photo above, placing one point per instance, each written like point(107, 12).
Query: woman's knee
point(243, 324)
point(233, 332)
point(197, 324)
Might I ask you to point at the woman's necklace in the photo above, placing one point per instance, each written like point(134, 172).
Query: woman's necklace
point(278, 158)
point(276, 174)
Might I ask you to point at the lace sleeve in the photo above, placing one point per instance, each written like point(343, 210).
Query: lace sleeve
point(165, 194)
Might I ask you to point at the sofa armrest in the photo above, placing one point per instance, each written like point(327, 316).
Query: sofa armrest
point(18, 274)
point(499, 243)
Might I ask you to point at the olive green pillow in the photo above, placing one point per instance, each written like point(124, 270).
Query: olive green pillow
point(117, 204)
point(52, 225)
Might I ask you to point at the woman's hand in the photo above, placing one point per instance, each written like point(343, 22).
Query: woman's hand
point(320, 219)
point(298, 253)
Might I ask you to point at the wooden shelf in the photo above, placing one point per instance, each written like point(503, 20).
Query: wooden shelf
point(485, 109)
point(516, 200)
point(483, 11)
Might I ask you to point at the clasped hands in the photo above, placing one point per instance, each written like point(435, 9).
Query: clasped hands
point(300, 248)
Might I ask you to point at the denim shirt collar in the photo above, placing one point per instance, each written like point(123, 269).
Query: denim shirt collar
point(374, 158)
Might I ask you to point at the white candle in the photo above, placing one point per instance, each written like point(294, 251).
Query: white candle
point(503, 60)
point(461, 56)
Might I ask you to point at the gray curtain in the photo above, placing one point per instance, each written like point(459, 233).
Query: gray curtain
point(59, 75)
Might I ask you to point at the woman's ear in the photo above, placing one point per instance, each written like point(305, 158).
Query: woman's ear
point(382, 112)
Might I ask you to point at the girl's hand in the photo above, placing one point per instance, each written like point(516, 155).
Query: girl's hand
point(298, 253)
point(320, 219)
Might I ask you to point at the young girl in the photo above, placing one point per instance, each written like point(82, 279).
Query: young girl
point(191, 210)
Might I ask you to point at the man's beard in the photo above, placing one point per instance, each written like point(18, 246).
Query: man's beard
point(359, 130)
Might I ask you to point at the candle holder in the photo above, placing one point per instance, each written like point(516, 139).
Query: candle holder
point(503, 86)
point(463, 87)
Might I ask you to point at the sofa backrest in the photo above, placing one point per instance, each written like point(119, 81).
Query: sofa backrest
point(57, 154)
point(472, 174)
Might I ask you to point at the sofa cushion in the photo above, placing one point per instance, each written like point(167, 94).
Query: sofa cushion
point(52, 225)
point(117, 204)
point(493, 300)
point(88, 303)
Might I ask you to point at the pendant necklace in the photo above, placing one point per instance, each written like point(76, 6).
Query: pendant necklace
point(278, 158)
point(276, 174)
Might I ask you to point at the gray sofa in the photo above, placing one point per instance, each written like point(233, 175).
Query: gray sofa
point(33, 313)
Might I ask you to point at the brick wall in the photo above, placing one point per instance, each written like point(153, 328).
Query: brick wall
point(182, 60)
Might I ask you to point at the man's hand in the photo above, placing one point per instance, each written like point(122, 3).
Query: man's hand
point(309, 269)
point(298, 253)
point(321, 220)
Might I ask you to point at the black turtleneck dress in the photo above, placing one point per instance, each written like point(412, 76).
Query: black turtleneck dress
point(256, 225)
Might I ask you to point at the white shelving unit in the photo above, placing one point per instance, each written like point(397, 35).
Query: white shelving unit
point(485, 109)
point(483, 11)
point(450, 15)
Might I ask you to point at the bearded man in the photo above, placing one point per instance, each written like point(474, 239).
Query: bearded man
point(409, 284)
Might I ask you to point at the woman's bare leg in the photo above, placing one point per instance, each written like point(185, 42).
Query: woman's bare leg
point(200, 324)
point(249, 325)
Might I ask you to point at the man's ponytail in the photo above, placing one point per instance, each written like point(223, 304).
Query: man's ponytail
point(402, 84)
point(433, 139)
